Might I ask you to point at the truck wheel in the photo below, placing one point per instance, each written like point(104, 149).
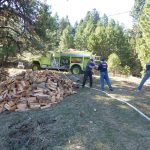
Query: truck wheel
point(35, 67)
point(76, 69)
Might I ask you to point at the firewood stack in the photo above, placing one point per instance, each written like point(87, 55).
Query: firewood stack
point(3, 75)
point(30, 90)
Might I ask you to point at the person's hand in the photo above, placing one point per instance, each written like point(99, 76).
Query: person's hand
point(92, 72)
point(96, 67)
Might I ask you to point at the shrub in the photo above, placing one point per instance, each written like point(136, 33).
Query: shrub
point(126, 70)
point(114, 63)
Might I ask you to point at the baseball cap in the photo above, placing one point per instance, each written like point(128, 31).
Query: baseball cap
point(103, 59)
point(92, 59)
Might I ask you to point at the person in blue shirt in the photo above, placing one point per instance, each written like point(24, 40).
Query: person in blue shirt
point(104, 75)
point(146, 76)
point(88, 72)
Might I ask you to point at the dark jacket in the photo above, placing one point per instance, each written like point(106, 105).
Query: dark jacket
point(89, 66)
point(103, 66)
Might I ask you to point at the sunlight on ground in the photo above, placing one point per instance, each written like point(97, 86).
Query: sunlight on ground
point(123, 106)
point(14, 71)
point(75, 143)
point(130, 79)
point(123, 97)
point(102, 146)
point(103, 98)
point(127, 79)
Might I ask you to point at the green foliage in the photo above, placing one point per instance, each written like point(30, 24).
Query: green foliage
point(143, 38)
point(66, 40)
point(29, 25)
point(46, 28)
point(137, 8)
point(114, 63)
point(125, 70)
point(80, 39)
point(17, 26)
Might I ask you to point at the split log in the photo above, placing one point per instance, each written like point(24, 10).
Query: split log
point(21, 107)
point(29, 90)
point(34, 105)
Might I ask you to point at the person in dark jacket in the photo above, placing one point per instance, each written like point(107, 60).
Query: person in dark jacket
point(104, 75)
point(88, 72)
point(146, 76)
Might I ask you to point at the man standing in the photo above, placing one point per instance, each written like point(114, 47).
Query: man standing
point(88, 72)
point(104, 75)
point(146, 76)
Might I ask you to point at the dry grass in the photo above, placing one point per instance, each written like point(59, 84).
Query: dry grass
point(88, 120)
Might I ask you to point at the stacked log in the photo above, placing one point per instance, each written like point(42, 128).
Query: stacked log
point(29, 90)
point(3, 75)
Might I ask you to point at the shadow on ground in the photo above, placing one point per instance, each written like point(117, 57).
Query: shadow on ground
point(86, 121)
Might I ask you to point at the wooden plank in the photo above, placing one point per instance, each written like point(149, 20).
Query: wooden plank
point(32, 100)
point(21, 106)
point(34, 105)
point(14, 91)
point(20, 87)
point(7, 106)
point(51, 88)
point(42, 96)
point(38, 90)
point(23, 83)
point(53, 99)
point(4, 94)
point(44, 100)
point(47, 106)
point(11, 103)
point(58, 96)
point(1, 98)
point(13, 108)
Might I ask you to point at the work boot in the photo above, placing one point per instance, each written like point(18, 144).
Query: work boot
point(110, 89)
point(137, 90)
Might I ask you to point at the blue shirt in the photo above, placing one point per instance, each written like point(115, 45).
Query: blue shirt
point(103, 66)
point(89, 66)
point(148, 67)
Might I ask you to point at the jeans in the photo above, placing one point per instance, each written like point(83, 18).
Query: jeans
point(146, 76)
point(86, 75)
point(104, 77)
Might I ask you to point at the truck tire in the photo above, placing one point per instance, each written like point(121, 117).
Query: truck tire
point(35, 66)
point(76, 69)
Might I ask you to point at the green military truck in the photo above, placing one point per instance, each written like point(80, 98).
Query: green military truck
point(73, 60)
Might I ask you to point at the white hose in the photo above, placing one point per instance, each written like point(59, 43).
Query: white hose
point(121, 100)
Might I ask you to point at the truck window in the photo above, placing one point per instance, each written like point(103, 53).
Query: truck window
point(65, 61)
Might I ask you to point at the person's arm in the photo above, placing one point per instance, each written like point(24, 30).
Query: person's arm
point(99, 67)
point(91, 65)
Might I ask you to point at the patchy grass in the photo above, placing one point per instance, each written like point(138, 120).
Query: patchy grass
point(88, 120)
point(125, 89)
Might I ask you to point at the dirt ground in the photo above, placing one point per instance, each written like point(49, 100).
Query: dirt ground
point(88, 120)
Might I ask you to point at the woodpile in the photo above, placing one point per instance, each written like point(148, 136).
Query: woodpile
point(3, 75)
point(29, 90)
